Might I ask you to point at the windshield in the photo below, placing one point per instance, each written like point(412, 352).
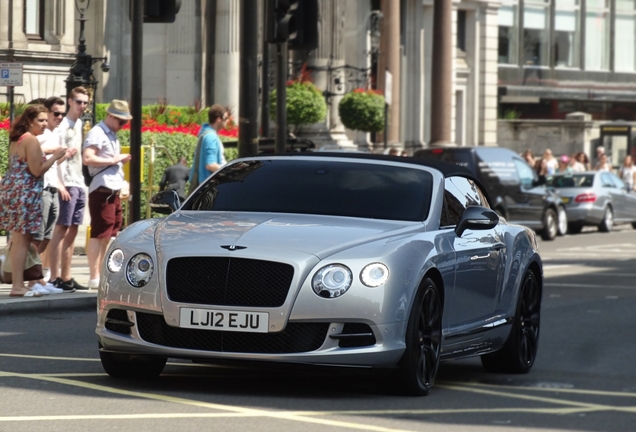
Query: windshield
point(569, 181)
point(323, 187)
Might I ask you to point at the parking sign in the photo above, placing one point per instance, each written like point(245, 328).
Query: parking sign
point(10, 74)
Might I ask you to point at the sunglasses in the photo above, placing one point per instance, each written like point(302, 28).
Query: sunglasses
point(122, 122)
point(57, 114)
point(80, 102)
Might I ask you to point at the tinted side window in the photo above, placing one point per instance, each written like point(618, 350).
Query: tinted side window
point(459, 193)
point(617, 182)
point(495, 165)
point(606, 180)
point(526, 174)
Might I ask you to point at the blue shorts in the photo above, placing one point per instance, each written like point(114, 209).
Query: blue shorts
point(72, 211)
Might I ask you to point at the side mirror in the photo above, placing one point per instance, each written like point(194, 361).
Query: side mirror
point(165, 202)
point(477, 218)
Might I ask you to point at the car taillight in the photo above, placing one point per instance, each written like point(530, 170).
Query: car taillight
point(585, 197)
point(437, 151)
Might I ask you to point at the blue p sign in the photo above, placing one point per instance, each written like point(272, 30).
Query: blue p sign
point(4, 73)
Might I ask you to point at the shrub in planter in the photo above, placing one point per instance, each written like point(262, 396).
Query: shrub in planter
point(305, 104)
point(4, 150)
point(362, 110)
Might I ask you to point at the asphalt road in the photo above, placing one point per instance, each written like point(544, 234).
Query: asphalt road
point(584, 378)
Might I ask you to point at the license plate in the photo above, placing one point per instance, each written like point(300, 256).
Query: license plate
point(239, 321)
point(565, 200)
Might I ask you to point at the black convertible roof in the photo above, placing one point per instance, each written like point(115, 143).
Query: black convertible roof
point(447, 169)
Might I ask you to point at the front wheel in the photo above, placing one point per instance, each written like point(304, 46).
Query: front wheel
point(608, 221)
point(518, 353)
point(550, 225)
point(132, 367)
point(419, 364)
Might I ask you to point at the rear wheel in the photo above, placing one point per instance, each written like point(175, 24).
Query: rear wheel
point(550, 225)
point(608, 220)
point(132, 367)
point(562, 217)
point(418, 366)
point(518, 353)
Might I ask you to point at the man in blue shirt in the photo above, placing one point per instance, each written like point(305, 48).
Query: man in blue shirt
point(208, 154)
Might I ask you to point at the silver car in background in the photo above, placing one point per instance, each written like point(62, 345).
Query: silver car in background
point(595, 198)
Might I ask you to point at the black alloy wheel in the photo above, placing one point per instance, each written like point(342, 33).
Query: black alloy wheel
point(419, 364)
point(132, 367)
point(520, 350)
point(550, 225)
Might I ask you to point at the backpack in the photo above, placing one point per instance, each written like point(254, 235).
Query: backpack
point(88, 178)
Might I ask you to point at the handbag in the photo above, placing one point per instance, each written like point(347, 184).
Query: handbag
point(32, 266)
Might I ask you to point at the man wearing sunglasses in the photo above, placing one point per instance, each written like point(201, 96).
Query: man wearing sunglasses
point(102, 155)
point(72, 194)
point(50, 141)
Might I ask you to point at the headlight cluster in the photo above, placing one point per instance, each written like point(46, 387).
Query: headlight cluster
point(334, 280)
point(138, 271)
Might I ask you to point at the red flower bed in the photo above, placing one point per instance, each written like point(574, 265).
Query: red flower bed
point(152, 126)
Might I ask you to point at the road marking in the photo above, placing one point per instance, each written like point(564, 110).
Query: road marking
point(593, 286)
point(172, 399)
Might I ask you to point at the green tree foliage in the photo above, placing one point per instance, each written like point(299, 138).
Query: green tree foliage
point(362, 110)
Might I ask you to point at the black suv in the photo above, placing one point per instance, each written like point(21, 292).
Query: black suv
point(512, 185)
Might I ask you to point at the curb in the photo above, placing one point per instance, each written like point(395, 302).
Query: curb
point(79, 302)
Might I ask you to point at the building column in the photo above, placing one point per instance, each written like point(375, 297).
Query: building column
point(357, 52)
point(227, 56)
point(442, 85)
point(414, 117)
point(487, 135)
point(329, 54)
point(389, 59)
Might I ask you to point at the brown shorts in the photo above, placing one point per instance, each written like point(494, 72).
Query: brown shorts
point(104, 207)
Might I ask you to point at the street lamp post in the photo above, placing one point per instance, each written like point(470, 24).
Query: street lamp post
point(81, 73)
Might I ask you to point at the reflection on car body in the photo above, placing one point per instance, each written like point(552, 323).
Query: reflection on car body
point(332, 259)
point(595, 198)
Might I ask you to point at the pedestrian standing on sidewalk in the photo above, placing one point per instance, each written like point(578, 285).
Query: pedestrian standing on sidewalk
point(72, 195)
point(102, 155)
point(627, 173)
point(21, 190)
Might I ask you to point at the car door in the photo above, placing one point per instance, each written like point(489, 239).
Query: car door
point(480, 259)
point(616, 194)
point(530, 197)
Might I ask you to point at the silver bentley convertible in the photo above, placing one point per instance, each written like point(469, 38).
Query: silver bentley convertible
point(325, 258)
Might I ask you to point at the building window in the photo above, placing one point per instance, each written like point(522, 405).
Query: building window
point(34, 19)
point(566, 33)
point(461, 30)
point(625, 32)
point(597, 35)
point(536, 33)
point(508, 13)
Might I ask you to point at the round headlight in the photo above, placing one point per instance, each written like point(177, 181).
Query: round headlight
point(374, 275)
point(115, 260)
point(332, 281)
point(139, 270)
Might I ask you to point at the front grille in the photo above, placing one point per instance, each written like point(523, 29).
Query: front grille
point(296, 338)
point(228, 281)
point(116, 321)
point(366, 337)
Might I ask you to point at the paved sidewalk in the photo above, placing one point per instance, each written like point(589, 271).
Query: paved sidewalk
point(76, 300)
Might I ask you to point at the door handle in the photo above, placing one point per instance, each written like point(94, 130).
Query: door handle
point(476, 257)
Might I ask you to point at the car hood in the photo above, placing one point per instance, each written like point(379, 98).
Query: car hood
point(206, 232)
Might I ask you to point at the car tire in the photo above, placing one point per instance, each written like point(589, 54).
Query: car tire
point(520, 350)
point(550, 225)
point(634, 225)
point(562, 221)
point(132, 367)
point(575, 228)
point(608, 220)
point(420, 361)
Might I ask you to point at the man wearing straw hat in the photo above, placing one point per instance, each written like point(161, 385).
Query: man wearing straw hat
point(102, 155)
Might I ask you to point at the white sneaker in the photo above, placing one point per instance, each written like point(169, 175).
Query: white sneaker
point(52, 289)
point(39, 288)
